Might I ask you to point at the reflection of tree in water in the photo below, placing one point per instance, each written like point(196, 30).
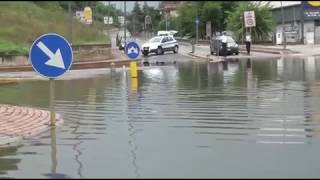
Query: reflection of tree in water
point(8, 164)
point(264, 69)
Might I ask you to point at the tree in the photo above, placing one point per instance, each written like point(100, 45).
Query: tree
point(187, 14)
point(264, 21)
point(136, 20)
point(214, 11)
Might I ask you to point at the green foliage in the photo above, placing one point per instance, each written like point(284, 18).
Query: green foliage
point(214, 11)
point(7, 48)
point(137, 17)
point(187, 14)
point(22, 22)
point(264, 20)
point(101, 11)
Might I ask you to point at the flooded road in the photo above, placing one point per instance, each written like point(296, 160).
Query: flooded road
point(251, 118)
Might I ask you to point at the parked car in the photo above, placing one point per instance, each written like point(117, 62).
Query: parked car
point(159, 45)
point(216, 46)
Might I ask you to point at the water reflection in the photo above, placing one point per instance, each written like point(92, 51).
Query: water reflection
point(8, 161)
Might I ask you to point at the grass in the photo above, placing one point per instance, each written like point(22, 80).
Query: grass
point(21, 22)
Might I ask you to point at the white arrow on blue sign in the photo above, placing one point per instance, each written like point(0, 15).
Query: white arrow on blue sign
point(132, 50)
point(51, 55)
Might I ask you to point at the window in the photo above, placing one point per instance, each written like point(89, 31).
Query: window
point(230, 40)
point(165, 39)
point(156, 39)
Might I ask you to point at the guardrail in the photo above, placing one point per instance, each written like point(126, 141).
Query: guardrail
point(80, 47)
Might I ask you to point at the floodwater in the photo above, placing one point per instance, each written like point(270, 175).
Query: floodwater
point(251, 118)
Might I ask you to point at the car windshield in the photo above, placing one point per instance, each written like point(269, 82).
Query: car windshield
point(156, 39)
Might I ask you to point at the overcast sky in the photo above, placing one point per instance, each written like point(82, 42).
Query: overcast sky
point(130, 4)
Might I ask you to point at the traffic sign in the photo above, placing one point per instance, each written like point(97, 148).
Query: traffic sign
point(51, 55)
point(249, 19)
point(132, 50)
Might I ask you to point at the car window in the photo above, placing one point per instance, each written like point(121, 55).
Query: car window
point(165, 39)
point(155, 39)
point(230, 40)
point(170, 38)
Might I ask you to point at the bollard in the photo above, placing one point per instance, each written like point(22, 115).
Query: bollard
point(112, 67)
point(133, 69)
point(134, 86)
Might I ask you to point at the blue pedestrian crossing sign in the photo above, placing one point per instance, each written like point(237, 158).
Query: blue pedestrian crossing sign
point(51, 55)
point(132, 50)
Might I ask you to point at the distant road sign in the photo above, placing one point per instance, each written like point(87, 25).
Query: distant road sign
point(249, 19)
point(132, 50)
point(108, 20)
point(51, 55)
point(87, 15)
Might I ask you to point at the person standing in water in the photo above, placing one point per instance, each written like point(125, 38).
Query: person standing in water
point(248, 43)
point(224, 43)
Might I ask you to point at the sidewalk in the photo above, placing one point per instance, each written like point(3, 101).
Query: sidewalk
point(203, 51)
point(258, 51)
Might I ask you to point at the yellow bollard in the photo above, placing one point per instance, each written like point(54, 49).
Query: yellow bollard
point(133, 69)
point(134, 86)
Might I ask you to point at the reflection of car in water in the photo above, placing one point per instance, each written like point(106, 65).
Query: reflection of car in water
point(159, 45)
point(216, 46)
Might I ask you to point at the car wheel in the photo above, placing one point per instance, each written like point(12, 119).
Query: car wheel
point(237, 52)
point(159, 51)
point(211, 53)
point(175, 50)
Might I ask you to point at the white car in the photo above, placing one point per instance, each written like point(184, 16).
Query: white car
point(159, 45)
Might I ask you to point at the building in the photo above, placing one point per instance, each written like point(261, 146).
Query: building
point(301, 21)
point(170, 7)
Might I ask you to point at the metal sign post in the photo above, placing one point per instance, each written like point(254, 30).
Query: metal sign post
point(197, 30)
point(52, 103)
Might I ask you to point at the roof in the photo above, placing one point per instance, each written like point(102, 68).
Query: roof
point(277, 4)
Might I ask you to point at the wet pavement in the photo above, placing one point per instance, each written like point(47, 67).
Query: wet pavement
point(245, 118)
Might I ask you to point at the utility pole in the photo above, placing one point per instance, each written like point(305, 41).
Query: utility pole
point(166, 16)
point(125, 24)
point(302, 23)
point(242, 35)
point(197, 30)
point(283, 33)
point(70, 23)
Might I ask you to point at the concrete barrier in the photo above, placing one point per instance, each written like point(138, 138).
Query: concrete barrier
point(83, 52)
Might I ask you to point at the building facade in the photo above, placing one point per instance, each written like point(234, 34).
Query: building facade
point(298, 26)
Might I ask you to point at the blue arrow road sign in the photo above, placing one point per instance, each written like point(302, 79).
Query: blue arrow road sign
point(51, 55)
point(132, 50)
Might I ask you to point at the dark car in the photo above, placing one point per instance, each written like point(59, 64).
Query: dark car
point(216, 46)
